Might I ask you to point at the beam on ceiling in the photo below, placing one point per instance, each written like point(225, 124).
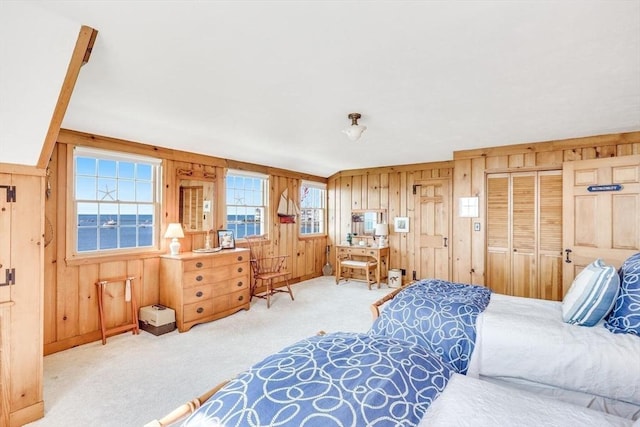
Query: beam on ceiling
point(80, 56)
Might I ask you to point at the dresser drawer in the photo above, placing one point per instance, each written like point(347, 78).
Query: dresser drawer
point(357, 251)
point(231, 285)
point(197, 264)
point(197, 293)
point(212, 275)
point(234, 299)
point(198, 310)
point(230, 259)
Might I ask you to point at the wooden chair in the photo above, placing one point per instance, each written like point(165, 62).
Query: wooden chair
point(266, 269)
point(368, 265)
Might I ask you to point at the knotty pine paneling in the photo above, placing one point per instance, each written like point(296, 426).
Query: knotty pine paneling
point(70, 296)
point(461, 266)
point(381, 188)
point(546, 155)
point(468, 171)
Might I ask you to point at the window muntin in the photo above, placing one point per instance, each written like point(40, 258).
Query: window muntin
point(247, 196)
point(116, 201)
point(313, 207)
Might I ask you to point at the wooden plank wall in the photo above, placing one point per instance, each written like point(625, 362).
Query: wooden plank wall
point(391, 189)
point(469, 180)
point(70, 298)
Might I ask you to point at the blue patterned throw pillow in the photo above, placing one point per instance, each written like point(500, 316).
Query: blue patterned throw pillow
point(625, 317)
point(592, 294)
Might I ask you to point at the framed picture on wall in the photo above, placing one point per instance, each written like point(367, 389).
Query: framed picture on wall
point(401, 224)
point(226, 240)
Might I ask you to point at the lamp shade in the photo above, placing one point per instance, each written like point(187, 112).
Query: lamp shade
point(382, 230)
point(354, 132)
point(174, 231)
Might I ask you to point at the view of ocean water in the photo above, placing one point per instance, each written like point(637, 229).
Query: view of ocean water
point(105, 231)
point(97, 232)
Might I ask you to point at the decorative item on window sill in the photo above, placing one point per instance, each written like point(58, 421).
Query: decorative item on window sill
point(354, 132)
point(174, 232)
point(287, 209)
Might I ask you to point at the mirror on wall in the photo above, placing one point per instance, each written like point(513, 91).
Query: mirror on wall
point(363, 222)
point(196, 205)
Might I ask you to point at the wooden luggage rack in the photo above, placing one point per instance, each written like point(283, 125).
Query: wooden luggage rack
point(130, 296)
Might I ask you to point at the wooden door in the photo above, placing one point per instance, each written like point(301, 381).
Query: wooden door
point(5, 236)
point(601, 212)
point(432, 225)
point(5, 302)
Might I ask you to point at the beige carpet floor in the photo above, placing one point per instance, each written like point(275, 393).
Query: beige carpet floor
point(134, 379)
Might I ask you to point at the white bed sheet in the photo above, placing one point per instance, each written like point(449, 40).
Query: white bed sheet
point(471, 402)
point(525, 339)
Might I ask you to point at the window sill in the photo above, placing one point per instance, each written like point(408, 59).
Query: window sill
point(120, 256)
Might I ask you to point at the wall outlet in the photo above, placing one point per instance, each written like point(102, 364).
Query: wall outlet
point(404, 272)
point(476, 226)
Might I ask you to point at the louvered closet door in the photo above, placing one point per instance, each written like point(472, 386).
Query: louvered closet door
point(550, 233)
point(498, 268)
point(524, 230)
point(523, 235)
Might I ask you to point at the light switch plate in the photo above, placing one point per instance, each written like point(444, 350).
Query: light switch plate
point(476, 226)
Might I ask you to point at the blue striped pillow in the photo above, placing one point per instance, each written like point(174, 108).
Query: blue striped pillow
point(592, 294)
point(625, 317)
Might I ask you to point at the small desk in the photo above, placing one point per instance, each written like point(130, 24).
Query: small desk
point(380, 254)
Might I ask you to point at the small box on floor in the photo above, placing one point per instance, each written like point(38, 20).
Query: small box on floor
point(157, 319)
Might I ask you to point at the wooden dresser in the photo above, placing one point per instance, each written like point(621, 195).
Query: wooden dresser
point(201, 287)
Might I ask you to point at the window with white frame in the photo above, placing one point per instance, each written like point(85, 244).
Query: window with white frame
point(247, 195)
point(116, 201)
point(313, 207)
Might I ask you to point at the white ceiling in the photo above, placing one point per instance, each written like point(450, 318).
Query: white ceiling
point(272, 82)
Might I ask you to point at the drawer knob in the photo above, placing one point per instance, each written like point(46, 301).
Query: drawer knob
point(199, 264)
point(241, 297)
point(199, 294)
point(240, 269)
point(240, 284)
point(199, 278)
point(240, 258)
point(200, 310)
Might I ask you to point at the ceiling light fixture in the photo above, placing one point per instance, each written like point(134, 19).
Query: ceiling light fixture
point(355, 130)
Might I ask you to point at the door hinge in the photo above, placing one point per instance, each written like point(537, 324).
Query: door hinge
point(10, 279)
point(11, 192)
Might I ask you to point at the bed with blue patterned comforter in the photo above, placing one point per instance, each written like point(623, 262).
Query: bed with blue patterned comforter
point(352, 379)
point(339, 379)
point(484, 334)
point(438, 315)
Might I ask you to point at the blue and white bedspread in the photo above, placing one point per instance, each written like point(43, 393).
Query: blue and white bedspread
point(438, 315)
point(339, 379)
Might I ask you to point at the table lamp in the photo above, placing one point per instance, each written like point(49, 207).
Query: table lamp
point(174, 232)
point(381, 233)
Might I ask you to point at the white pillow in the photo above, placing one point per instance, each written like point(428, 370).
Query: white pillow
point(592, 294)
